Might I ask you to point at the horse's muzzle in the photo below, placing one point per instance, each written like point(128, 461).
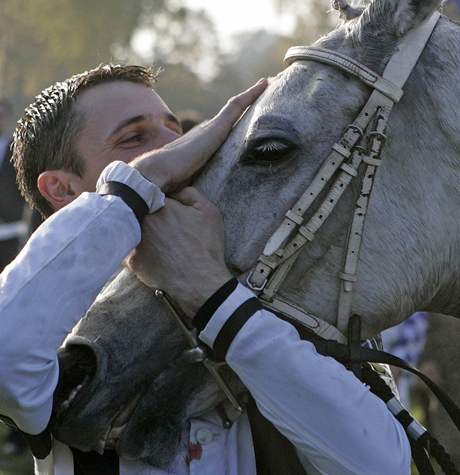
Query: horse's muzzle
point(82, 367)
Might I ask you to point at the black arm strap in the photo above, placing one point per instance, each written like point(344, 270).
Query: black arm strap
point(128, 195)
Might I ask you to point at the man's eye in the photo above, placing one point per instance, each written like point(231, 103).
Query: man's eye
point(268, 151)
point(132, 139)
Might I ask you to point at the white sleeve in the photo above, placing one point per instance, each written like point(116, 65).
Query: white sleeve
point(333, 420)
point(51, 285)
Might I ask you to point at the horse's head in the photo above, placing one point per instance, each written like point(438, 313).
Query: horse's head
point(275, 151)
point(125, 350)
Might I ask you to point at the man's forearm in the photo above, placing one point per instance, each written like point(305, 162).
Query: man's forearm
point(299, 390)
point(47, 289)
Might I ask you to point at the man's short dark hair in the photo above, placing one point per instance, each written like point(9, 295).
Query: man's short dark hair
point(44, 138)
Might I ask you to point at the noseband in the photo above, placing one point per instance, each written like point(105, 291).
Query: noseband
point(359, 147)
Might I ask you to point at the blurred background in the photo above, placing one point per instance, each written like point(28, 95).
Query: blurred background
point(208, 51)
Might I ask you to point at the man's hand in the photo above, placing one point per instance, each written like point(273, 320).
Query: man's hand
point(182, 250)
point(176, 162)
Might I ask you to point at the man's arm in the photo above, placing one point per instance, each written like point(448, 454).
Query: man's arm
point(334, 421)
point(56, 277)
point(47, 289)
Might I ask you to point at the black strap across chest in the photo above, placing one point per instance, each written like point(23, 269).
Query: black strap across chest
point(274, 453)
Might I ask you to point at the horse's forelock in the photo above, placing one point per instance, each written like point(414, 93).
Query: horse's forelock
point(381, 18)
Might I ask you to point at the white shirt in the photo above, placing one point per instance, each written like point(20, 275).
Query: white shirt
point(335, 422)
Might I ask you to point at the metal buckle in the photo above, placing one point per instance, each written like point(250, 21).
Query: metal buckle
point(355, 129)
point(360, 150)
point(255, 287)
point(380, 136)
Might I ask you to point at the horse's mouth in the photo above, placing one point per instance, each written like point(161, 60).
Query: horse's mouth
point(111, 439)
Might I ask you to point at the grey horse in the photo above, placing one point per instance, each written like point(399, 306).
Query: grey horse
point(124, 383)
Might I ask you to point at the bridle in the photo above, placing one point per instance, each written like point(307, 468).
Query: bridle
point(359, 147)
point(360, 144)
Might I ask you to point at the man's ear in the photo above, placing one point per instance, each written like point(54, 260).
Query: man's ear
point(397, 16)
point(59, 187)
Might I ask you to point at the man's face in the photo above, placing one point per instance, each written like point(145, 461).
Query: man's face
point(122, 120)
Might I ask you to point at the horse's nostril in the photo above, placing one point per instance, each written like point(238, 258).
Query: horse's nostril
point(77, 365)
point(76, 362)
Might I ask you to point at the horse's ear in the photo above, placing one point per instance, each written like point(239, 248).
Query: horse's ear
point(346, 11)
point(398, 16)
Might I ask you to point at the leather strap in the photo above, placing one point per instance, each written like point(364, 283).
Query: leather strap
point(409, 50)
point(128, 195)
point(274, 453)
point(341, 353)
point(354, 345)
point(298, 314)
point(347, 64)
point(356, 231)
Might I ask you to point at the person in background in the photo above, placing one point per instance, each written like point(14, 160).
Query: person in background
point(11, 207)
point(407, 341)
point(11, 201)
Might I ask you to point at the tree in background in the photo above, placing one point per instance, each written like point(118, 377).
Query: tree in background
point(312, 18)
point(178, 35)
point(42, 41)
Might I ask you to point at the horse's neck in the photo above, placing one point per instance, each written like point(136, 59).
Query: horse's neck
point(432, 118)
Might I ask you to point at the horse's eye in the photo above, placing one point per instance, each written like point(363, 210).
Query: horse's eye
point(267, 150)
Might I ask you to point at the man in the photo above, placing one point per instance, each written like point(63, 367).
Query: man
point(116, 116)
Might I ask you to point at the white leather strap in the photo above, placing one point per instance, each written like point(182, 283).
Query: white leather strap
point(409, 50)
point(349, 275)
point(347, 64)
point(320, 327)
